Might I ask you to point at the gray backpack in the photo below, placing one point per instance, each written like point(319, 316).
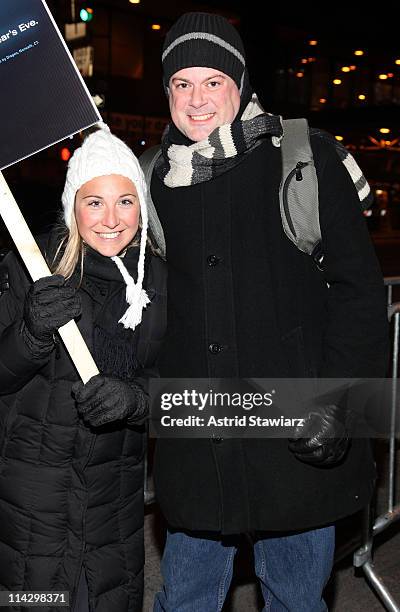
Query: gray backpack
point(298, 192)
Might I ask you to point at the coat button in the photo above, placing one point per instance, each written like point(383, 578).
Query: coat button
point(213, 260)
point(214, 348)
point(217, 440)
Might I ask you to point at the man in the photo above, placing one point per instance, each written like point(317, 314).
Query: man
point(245, 302)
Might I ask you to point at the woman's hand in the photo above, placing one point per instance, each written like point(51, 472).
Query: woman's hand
point(49, 304)
point(104, 399)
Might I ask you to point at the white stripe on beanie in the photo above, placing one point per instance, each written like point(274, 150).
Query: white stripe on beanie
point(204, 36)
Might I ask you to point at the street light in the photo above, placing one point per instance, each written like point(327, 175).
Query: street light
point(65, 154)
point(86, 14)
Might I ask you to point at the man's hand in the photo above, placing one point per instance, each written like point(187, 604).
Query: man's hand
point(323, 440)
point(104, 399)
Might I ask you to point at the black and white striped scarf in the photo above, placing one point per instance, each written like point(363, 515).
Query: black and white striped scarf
point(181, 165)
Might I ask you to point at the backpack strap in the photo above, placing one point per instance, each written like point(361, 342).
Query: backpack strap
point(298, 191)
point(147, 161)
point(361, 185)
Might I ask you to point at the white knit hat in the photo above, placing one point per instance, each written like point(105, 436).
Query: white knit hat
point(102, 154)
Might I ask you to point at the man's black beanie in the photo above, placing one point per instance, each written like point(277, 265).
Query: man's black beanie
point(207, 40)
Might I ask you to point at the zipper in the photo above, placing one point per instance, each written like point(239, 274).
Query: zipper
point(90, 453)
point(84, 508)
point(57, 346)
point(299, 166)
point(299, 177)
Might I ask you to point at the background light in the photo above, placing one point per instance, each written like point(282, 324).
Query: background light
point(337, 81)
point(358, 52)
point(86, 14)
point(65, 154)
point(384, 130)
point(155, 26)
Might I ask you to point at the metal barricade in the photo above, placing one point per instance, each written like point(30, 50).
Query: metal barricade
point(371, 528)
point(390, 282)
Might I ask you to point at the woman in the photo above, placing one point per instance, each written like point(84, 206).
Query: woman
point(71, 455)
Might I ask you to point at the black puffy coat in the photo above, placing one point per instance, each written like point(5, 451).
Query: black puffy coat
point(243, 301)
point(69, 495)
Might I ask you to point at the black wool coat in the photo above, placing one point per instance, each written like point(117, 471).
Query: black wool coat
point(238, 283)
point(70, 494)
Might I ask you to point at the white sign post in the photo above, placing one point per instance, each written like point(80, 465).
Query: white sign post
point(36, 66)
point(38, 268)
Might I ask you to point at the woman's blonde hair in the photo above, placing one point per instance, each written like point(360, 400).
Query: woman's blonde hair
point(73, 251)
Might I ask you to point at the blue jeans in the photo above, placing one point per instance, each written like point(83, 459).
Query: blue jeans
point(292, 570)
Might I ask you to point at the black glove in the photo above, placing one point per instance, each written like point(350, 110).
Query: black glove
point(103, 400)
point(323, 439)
point(49, 304)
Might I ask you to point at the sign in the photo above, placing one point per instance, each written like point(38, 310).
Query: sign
point(83, 57)
point(75, 30)
point(138, 127)
point(44, 98)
